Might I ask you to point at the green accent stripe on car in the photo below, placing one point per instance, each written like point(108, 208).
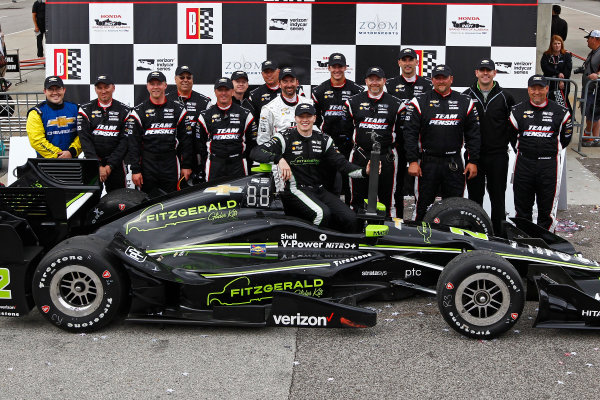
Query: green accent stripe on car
point(267, 270)
point(547, 261)
point(74, 198)
point(211, 246)
point(411, 248)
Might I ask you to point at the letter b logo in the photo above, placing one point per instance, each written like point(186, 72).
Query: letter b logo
point(60, 63)
point(192, 17)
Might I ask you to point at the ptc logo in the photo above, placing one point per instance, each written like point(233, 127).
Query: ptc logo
point(67, 63)
point(199, 23)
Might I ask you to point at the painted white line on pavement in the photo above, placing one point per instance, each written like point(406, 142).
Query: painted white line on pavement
point(24, 30)
point(581, 11)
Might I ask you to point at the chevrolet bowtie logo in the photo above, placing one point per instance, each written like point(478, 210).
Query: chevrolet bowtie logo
point(223, 190)
point(61, 122)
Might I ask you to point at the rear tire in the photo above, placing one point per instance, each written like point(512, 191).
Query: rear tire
point(79, 286)
point(480, 294)
point(460, 213)
point(115, 202)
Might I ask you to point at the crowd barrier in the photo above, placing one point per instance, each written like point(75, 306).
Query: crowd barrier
point(13, 115)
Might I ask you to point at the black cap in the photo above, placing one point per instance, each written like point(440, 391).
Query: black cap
point(183, 68)
point(287, 71)
point(223, 82)
point(53, 81)
point(104, 79)
point(375, 71)
point(407, 52)
point(486, 63)
point(268, 65)
point(239, 75)
point(441, 69)
point(156, 75)
point(337, 59)
point(305, 108)
point(537, 80)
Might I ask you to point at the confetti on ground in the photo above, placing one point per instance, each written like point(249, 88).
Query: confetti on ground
point(569, 372)
point(395, 313)
point(169, 391)
point(589, 365)
point(446, 329)
point(560, 382)
point(10, 369)
point(567, 225)
point(330, 379)
point(388, 306)
point(296, 362)
point(420, 313)
point(560, 363)
point(388, 319)
point(185, 373)
point(103, 337)
point(517, 331)
point(48, 363)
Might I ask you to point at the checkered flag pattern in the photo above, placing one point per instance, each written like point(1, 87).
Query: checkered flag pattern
point(74, 64)
point(217, 38)
point(206, 23)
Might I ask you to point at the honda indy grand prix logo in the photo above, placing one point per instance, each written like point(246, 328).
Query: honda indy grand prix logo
point(199, 23)
point(67, 63)
point(301, 320)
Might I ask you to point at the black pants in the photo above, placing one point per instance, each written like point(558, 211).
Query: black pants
point(333, 180)
point(401, 178)
point(536, 179)
point(320, 207)
point(40, 43)
point(437, 175)
point(116, 179)
point(387, 180)
point(225, 167)
point(160, 172)
point(492, 172)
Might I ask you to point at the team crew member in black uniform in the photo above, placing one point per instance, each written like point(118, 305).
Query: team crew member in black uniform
point(221, 132)
point(101, 129)
point(264, 93)
point(156, 129)
point(240, 87)
point(193, 101)
point(404, 87)
point(541, 129)
point(329, 98)
point(435, 127)
point(493, 107)
point(379, 112)
point(299, 152)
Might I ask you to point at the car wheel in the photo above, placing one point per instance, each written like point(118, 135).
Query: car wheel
point(480, 294)
point(460, 213)
point(115, 202)
point(79, 286)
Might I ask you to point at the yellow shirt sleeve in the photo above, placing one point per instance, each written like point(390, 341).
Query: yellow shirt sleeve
point(76, 145)
point(37, 136)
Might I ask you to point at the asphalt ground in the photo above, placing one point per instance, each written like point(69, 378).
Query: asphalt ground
point(411, 353)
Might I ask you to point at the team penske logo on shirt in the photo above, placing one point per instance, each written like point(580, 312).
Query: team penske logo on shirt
point(445, 119)
point(373, 123)
point(106, 130)
point(61, 122)
point(335, 110)
point(538, 131)
point(160, 128)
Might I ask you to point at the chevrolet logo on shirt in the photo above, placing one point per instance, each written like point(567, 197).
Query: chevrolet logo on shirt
point(61, 122)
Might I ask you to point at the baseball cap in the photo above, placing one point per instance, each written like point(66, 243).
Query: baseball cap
point(103, 79)
point(337, 59)
point(53, 81)
point(375, 71)
point(268, 65)
point(223, 82)
point(441, 69)
point(156, 75)
point(486, 63)
point(183, 68)
point(407, 52)
point(239, 75)
point(287, 71)
point(595, 34)
point(538, 80)
point(305, 108)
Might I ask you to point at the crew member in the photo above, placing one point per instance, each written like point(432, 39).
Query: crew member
point(156, 129)
point(375, 111)
point(101, 129)
point(493, 106)
point(52, 124)
point(329, 98)
point(541, 129)
point(193, 101)
point(299, 153)
point(404, 87)
point(591, 72)
point(222, 132)
point(240, 87)
point(436, 125)
point(264, 93)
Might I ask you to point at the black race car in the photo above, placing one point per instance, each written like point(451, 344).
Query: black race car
point(226, 254)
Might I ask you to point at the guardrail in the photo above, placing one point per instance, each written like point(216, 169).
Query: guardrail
point(13, 114)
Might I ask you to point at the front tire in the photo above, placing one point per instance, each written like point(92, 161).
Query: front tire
point(480, 294)
point(79, 286)
point(460, 212)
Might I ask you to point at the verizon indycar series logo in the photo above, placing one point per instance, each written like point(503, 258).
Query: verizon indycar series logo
point(199, 23)
point(67, 63)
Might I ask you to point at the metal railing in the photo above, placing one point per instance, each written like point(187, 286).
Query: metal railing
point(588, 96)
point(13, 114)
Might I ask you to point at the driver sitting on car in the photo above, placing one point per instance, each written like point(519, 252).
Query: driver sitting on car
point(298, 151)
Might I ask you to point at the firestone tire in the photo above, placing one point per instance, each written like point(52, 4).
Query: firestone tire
point(79, 286)
point(115, 202)
point(460, 213)
point(480, 294)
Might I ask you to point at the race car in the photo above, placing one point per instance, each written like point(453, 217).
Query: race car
point(225, 253)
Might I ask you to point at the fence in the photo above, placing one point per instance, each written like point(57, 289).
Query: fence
point(13, 114)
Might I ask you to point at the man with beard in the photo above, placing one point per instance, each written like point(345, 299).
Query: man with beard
point(101, 129)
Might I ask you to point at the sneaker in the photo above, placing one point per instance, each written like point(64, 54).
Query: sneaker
point(596, 142)
point(587, 142)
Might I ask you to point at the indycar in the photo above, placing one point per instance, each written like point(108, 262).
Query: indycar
point(224, 253)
